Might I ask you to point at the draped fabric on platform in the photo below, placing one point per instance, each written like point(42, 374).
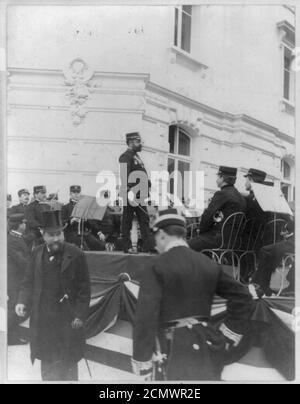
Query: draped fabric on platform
point(115, 279)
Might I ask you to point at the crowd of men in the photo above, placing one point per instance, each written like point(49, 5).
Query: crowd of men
point(48, 276)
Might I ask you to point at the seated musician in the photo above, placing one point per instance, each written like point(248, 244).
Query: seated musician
point(224, 203)
point(270, 257)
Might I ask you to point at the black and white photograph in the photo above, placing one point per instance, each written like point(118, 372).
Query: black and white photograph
point(149, 192)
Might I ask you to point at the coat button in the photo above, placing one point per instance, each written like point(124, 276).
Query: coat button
point(196, 347)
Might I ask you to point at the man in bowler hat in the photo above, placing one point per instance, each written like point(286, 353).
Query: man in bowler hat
point(56, 294)
point(224, 203)
point(134, 174)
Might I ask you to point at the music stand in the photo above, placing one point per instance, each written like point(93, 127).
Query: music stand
point(271, 199)
point(87, 208)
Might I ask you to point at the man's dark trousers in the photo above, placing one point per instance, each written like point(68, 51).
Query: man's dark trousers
point(143, 219)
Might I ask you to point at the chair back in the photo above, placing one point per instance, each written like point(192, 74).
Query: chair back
point(252, 235)
point(232, 231)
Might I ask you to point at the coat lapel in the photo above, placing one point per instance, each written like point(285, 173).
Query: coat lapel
point(67, 257)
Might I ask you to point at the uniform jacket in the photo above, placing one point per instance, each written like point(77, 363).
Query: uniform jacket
point(253, 210)
point(66, 214)
point(17, 259)
point(75, 284)
point(33, 215)
point(20, 208)
point(228, 200)
point(134, 163)
point(182, 283)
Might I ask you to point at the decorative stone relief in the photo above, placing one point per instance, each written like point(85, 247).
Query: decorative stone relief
point(78, 77)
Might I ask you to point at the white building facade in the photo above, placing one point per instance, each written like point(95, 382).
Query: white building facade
point(204, 85)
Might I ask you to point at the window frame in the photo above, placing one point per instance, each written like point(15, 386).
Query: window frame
point(177, 40)
point(290, 72)
point(176, 157)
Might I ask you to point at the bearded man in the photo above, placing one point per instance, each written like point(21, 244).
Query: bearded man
point(56, 294)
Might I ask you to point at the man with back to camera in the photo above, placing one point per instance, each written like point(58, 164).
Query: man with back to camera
point(172, 329)
point(134, 164)
point(224, 203)
point(56, 293)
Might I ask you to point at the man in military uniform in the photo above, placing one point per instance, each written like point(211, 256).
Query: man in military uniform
point(253, 210)
point(223, 204)
point(134, 174)
point(172, 335)
point(73, 228)
point(17, 260)
point(56, 293)
point(23, 195)
point(270, 257)
point(71, 223)
point(34, 211)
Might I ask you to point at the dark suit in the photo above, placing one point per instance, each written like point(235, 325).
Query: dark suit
point(46, 282)
point(134, 164)
point(228, 201)
point(178, 284)
point(17, 260)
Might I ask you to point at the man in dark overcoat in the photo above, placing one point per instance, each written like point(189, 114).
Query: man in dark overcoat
point(224, 203)
point(172, 333)
point(17, 259)
point(56, 293)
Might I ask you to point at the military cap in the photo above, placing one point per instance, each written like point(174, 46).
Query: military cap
point(17, 218)
point(51, 220)
point(256, 175)
point(23, 191)
point(168, 217)
point(230, 171)
point(133, 136)
point(39, 188)
point(75, 188)
point(8, 198)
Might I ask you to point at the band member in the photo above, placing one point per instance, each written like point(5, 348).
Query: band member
point(56, 293)
point(134, 165)
point(73, 226)
point(224, 203)
point(17, 259)
point(172, 331)
point(23, 195)
point(270, 257)
point(34, 211)
point(253, 210)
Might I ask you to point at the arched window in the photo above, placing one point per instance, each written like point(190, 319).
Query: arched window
point(179, 160)
point(286, 171)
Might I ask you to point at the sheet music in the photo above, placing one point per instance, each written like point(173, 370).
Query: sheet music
point(271, 199)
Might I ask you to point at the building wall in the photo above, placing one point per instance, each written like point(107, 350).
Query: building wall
point(80, 78)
